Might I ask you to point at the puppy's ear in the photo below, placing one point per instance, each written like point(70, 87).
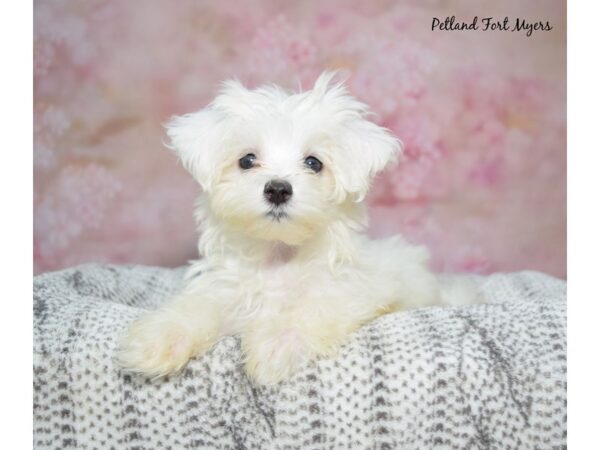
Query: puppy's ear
point(366, 149)
point(363, 148)
point(198, 138)
point(195, 139)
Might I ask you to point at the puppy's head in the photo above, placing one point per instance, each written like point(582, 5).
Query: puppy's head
point(278, 165)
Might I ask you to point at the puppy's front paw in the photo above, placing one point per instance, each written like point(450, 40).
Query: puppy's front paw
point(276, 349)
point(157, 345)
point(274, 353)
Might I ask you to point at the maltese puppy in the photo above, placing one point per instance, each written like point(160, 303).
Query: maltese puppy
point(285, 264)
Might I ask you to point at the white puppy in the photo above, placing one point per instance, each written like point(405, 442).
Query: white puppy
point(285, 264)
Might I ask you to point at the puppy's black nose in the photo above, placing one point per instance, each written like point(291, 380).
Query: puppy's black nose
point(278, 191)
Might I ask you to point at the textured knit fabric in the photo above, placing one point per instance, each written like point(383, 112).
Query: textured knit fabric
point(489, 376)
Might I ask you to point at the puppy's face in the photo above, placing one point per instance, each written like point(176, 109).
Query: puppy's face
point(282, 166)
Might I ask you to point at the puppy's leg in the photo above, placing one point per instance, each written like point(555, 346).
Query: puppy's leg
point(274, 348)
point(318, 325)
point(162, 341)
point(277, 346)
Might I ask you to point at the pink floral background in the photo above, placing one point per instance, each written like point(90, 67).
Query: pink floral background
point(482, 115)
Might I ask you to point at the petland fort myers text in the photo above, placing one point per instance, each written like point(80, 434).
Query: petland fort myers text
point(490, 24)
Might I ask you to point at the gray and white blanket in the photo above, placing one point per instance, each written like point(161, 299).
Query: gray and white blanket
point(490, 376)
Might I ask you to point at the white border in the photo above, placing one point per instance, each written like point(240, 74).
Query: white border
point(583, 162)
point(16, 41)
point(583, 225)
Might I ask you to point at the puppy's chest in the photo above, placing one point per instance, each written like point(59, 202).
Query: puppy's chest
point(281, 284)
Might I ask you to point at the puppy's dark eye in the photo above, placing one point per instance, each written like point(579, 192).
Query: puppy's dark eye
point(314, 164)
point(247, 162)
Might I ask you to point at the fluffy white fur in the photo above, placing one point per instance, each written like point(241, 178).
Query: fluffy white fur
point(294, 285)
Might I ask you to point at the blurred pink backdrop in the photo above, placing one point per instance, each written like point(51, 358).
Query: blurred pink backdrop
point(482, 115)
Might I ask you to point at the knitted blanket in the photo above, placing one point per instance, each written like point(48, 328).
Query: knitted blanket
point(489, 376)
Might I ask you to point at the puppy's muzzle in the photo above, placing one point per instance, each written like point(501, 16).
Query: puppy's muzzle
point(278, 192)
